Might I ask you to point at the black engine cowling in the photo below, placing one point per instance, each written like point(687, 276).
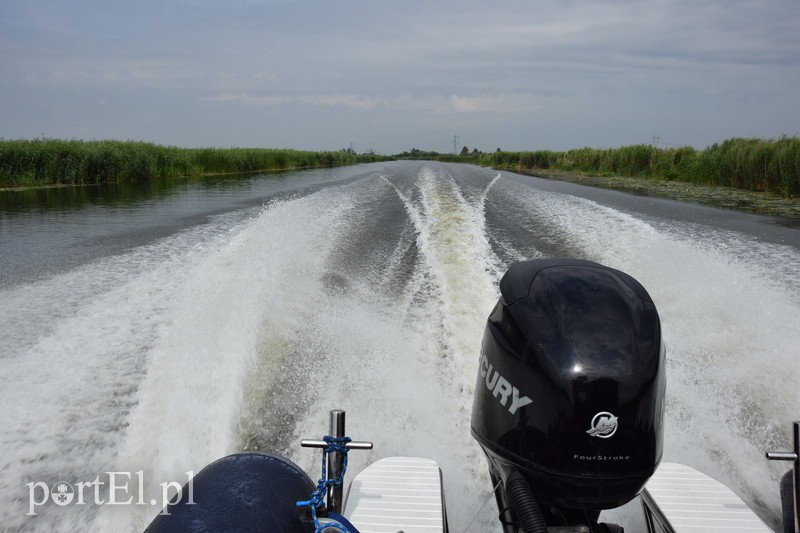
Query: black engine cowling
point(570, 390)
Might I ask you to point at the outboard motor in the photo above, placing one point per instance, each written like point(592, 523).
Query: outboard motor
point(569, 401)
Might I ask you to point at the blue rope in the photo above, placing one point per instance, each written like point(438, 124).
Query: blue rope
point(318, 496)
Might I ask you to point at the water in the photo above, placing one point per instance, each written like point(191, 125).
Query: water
point(159, 333)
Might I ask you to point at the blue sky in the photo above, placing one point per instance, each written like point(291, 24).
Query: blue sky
point(395, 75)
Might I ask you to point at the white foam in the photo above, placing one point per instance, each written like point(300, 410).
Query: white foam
point(239, 331)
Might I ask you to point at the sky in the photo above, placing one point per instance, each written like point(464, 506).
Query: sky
point(394, 75)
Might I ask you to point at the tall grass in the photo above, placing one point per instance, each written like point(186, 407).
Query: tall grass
point(753, 164)
point(51, 161)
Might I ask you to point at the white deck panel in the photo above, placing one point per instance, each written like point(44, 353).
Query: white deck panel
point(692, 502)
point(397, 494)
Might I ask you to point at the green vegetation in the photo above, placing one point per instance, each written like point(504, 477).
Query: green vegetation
point(29, 163)
point(750, 164)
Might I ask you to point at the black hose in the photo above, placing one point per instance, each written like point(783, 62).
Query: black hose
point(523, 505)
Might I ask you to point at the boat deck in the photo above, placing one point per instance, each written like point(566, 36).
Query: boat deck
point(684, 500)
point(397, 494)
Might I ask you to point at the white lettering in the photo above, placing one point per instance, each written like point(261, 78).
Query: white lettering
point(140, 475)
point(517, 402)
point(491, 380)
point(97, 484)
point(113, 487)
point(63, 493)
point(79, 489)
point(165, 494)
point(602, 457)
point(32, 503)
point(500, 387)
point(190, 484)
point(503, 388)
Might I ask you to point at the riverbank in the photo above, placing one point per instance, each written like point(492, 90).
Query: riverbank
point(43, 162)
point(762, 203)
point(209, 175)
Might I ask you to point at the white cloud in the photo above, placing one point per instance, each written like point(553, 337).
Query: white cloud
point(331, 100)
point(338, 100)
point(459, 104)
point(244, 98)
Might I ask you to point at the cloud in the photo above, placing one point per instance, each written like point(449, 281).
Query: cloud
point(243, 98)
point(330, 100)
point(338, 100)
point(521, 102)
point(459, 104)
point(493, 69)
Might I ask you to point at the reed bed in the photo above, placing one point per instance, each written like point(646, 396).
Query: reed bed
point(752, 164)
point(27, 163)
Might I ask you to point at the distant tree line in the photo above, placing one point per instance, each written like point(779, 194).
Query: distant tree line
point(465, 153)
